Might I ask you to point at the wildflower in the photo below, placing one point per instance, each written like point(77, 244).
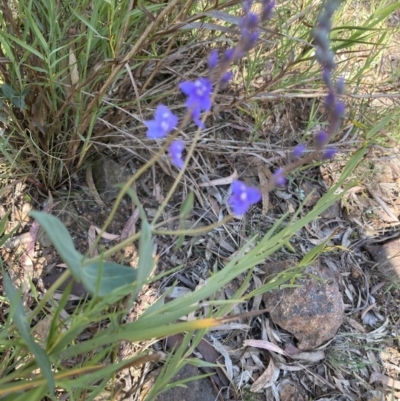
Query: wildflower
point(322, 138)
point(228, 55)
point(267, 7)
point(198, 97)
point(213, 60)
point(299, 150)
point(329, 153)
point(175, 152)
point(243, 197)
point(249, 21)
point(279, 178)
point(226, 78)
point(340, 86)
point(164, 122)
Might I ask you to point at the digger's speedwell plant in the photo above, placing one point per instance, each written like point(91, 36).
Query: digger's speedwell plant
point(71, 361)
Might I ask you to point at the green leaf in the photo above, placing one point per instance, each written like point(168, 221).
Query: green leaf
point(8, 91)
point(186, 206)
point(102, 278)
point(3, 223)
point(18, 101)
point(21, 321)
point(62, 241)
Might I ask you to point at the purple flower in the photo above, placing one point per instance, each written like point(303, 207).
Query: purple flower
point(299, 150)
point(247, 6)
point(249, 40)
point(164, 122)
point(339, 109)
point(340, 86)
point(213, 60)
point(322, 138)
point(175, 153)
point(329, 153)
point(226, 78)
point(228, 55)
point(243, 197)
point(267, 9)
point(279, 178)
point(249, 21)
point(198, 95)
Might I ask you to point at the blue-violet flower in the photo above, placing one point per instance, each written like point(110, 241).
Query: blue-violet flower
point(175, 152)
point(279, 178)
point(164, 122)
point(243, 197)
point(198, 97)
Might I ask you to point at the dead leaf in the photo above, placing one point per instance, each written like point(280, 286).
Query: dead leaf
point(129, 228)
point(92, 186)
point(265, 345)
point(313, 356)
point(267, 379)
point(91, 238)
point(73, 67)
point(219, 181)
point(264, 180)
point(385, 380)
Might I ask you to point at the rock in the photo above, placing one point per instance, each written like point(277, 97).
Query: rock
point(289, 391)
point(332, 212)
point(311, 190)
point(197, 390)
point(312, 312)
point(387, 257)
point(106, 174)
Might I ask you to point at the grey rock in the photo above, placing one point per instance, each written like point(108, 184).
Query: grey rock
point(106, 174)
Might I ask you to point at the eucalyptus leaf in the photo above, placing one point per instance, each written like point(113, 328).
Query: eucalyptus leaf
point(102, 278)
point(62, 241)
point(8, 91)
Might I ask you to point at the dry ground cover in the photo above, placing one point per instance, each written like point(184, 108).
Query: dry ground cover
point(297, 300)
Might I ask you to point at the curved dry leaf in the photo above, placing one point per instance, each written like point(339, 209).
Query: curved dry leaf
point(265, 345)
point(267, 379)
point(385, 380)
point(314, 356)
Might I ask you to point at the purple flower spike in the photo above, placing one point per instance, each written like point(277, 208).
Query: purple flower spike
point(249, 39)
point(164, 122)
point(250, 21)
point(322, 138)
point(226, 78)
point(340, 86)
point(213, 60)
point(279, 178)
point(247, 6)
point(175, 152)
point(299, 150)
point(228, 55)
point(198, 96)
point(243, 197)
point(329, 153)
point(339, 109)
point(268, 6)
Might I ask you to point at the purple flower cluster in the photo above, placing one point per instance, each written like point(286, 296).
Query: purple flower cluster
point(199, 97)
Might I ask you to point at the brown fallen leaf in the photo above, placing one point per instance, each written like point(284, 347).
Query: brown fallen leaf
point(267, 379)
point(385, 380)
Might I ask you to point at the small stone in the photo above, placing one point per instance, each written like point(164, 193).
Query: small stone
point(332, 212)
point(312, 312)
point(387, 257)
point(311, 190)
point(106, 174)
